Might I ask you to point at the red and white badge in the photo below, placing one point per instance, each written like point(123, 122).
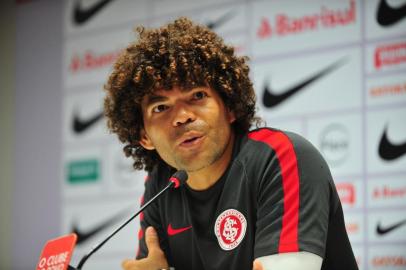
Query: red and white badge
point(230, 229)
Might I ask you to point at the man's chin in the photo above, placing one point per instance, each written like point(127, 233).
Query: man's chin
point(192, 164)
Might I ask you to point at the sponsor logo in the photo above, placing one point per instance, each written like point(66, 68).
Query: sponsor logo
point(388, 150)
point(388, 90)
point(387, 15)
point(83, 171)
point(270, 99)
point(91, 61)
point(390, 55)
point(324, 18)
point(382, 230)
point(346, 192)
point(80, 125)
point(229, 228)
point(85, 235)
point(171, 231)
point(82, 15)
point(57, 253)
point(220, 21)
point(387, 192)
point(385, 261)
point(335, 143)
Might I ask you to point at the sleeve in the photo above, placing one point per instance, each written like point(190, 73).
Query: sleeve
point(292, 261)
point(293, 194)
point(150, 216)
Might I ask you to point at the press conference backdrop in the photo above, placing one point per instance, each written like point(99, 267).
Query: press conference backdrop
point(333, 71)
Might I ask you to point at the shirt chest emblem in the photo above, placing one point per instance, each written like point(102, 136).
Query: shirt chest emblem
point(230, 228)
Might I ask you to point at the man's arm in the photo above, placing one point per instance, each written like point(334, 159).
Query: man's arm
point(293, 195)
point(289, 261)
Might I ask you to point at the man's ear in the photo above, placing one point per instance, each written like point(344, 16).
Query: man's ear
point(146, 141)
point(231, 116)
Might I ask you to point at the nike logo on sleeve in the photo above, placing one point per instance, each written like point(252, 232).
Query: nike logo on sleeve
point(171, 231)
point(270, 99)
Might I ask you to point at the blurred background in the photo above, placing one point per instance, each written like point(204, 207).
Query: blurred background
point(331, 70)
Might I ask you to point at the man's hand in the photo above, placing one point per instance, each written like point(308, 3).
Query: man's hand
point(156, 257)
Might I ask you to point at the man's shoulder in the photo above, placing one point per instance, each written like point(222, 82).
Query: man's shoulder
point(159, 175)
point(276, 139)
point(267, 144)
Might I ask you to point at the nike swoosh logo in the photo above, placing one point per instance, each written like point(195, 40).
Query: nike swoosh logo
point(389, 151)
point(171, 231)
point(384, 230)
point(84, 236)
point(223, 19)
point(80, 125)
point(387, 15)
point(81, 15)
point(269, 99)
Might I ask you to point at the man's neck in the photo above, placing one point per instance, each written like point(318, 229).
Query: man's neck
point(208, 176)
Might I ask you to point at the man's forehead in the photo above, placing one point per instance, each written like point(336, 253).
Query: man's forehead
point(163, 92)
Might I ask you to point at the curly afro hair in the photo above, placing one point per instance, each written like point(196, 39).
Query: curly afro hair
point(184, 54)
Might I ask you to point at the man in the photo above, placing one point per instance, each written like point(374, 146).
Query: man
point(180, 99)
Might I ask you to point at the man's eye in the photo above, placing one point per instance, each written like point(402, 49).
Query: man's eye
point(159, 108)
point(199, 95)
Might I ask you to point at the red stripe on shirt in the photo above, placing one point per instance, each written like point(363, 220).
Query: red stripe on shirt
point(140, 236)
point(286, 155)
point(141, 204)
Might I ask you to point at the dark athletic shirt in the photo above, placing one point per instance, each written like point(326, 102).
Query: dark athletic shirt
point(276, 196)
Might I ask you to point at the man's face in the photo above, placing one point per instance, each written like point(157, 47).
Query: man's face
point(190, 130)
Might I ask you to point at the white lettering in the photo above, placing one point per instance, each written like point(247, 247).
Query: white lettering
point(42, 262)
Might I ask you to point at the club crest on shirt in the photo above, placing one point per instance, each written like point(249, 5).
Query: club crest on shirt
point(230, 229)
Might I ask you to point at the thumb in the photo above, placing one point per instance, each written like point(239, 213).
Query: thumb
point(257, 265)
point(152, 241)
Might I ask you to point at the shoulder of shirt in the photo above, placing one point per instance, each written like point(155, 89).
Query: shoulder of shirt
point(158, 177)
point(264, 145)
point(269, 146)
point(272, 138)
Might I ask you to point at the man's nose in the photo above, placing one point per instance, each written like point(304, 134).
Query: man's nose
point(183, 114)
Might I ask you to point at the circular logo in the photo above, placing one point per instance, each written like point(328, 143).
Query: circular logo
point(335, 144)
point(230, 229)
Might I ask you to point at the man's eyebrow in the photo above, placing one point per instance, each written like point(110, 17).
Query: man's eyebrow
point(151, 99)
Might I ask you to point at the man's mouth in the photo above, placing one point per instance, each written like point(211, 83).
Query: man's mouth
point(190, 139)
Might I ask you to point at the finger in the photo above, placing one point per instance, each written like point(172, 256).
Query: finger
point(131, 264)
point(126, 264)
point(257, 265)
point(152, 241)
